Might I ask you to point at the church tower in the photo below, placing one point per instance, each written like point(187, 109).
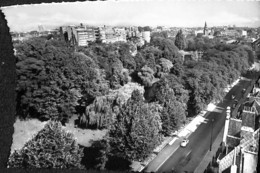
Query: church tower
point(205, 31)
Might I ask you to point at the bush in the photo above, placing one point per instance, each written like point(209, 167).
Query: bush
point(52, 147)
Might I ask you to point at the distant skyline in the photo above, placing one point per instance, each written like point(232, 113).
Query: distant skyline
point(192, 13)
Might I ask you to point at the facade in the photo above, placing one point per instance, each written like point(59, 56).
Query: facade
point(198, 32)
point(231, 32)
point(256, 47)
point(84, 35)
point(244, 33)
point(79, 35)
point(242, 138)
point(191, 55)
point(146, 36)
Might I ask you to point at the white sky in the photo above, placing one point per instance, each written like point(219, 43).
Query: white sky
point(185, 13)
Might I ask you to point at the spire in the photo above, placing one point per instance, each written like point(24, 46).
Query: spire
point(205, 28)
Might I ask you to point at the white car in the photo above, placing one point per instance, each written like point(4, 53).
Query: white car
point(184, 142)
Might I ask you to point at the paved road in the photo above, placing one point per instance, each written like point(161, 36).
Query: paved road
point(188, 158)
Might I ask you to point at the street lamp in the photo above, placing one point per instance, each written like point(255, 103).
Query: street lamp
point(212, 120)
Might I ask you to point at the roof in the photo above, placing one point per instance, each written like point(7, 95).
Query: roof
point(253, 103)
point(233, 141)
point(234, 127)
point(248, 119)
point(257, 94)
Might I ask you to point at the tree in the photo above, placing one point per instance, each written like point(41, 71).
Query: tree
point(178, 69)
point(174, 108)
point(137, 130)
point(164, 67)
point(167, 48)
point(40, 80)
point(146, 76)
point(103, 148)
point(180, 40)
point(191, 45)
point(52, 147)
point(102, 112)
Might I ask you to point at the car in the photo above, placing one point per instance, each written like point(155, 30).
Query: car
point(244, 90)
point(175, 133)
point(233, 97)
point(184, 142)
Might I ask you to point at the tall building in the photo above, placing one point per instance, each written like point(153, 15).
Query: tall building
point(40, 28)
point(84, 35)
point(79, 35)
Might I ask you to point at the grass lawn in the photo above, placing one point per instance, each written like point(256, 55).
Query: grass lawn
point(24, 130)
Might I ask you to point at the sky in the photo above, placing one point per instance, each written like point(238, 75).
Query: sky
point(175, 13)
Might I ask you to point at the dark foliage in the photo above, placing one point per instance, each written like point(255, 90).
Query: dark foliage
point(52, 147)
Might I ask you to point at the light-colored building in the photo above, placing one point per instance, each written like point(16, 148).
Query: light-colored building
point(198, 32)
point(146, 36)
point(79, 35)
point(244, 33)
point(190, 55)
point(231, 32)
point(84, 35)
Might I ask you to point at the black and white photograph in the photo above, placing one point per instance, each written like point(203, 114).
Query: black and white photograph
point(136, 86)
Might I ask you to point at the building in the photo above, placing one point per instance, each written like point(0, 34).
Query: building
point(84, 35)
point(256, 47)
point(146, 36)
point(241, 137)
point(79, 36)
point(191, 55)
point(244, 33)
point(198, 32)
point(41, 28)
point(205, 30)
point(231, 33)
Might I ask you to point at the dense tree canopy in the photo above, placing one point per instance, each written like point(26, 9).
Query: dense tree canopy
point(46, 73)
point(52, 78)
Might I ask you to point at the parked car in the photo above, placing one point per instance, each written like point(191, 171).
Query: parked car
point(175, 133)
point(244, 90)
point(184, 142)
point(233, 96)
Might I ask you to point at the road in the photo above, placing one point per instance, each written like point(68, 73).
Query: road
point(187, 159)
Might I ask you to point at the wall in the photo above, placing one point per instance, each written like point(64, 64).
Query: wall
point(250, 162)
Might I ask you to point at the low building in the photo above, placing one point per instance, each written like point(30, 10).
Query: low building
point(231, 33)
point(198, 32)
point(191, 55)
